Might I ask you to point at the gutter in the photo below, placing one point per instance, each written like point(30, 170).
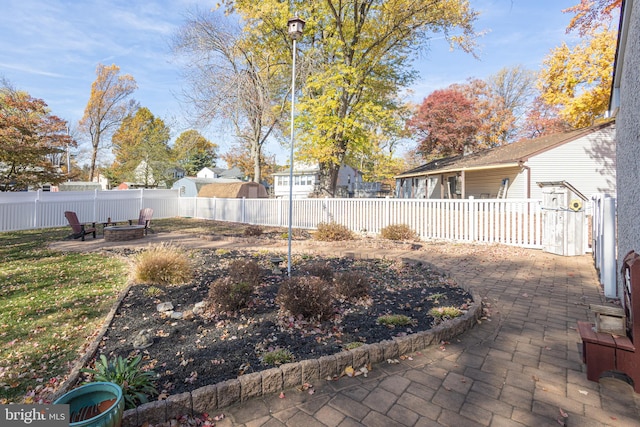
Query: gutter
point(469, 169)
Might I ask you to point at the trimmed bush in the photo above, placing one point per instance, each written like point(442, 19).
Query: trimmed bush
point(245, 271)
point(306, 296)
point(332, 232)
point(318, 269)
point(227, 294)
point(398, 232)
point(253, 230)
point(352, 285)
point(162, 264)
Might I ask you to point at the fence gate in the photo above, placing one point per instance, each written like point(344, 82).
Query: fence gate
point(563, 219)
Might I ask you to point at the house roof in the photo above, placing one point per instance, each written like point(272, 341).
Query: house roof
point(500, 157)
point(234, 172)
point(231, 189)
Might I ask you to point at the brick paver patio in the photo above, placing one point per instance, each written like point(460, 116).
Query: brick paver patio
point(520, 366)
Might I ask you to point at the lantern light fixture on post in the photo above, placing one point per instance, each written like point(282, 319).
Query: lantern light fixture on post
point(295, 28)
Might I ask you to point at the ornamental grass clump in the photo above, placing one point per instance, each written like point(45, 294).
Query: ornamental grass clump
point(277, 357)
point(398, 232)
point(306, 296)
point(332, 232)
point(162, 264)
point(352, 285)
point(137, 384)
point(441, 314)
point(392, 320)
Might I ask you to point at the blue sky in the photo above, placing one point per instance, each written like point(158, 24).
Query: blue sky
point(50, 48)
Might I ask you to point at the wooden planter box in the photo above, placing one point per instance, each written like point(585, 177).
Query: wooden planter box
point(609, 319)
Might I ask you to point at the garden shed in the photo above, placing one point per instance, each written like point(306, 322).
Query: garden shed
point(234, 190)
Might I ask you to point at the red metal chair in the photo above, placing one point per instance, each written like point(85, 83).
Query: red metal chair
point(144, 219)
point(79, 230)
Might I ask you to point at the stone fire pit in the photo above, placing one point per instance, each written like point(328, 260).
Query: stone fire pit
point(122, 233)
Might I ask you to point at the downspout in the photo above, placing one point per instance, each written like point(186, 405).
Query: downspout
point(528, 169)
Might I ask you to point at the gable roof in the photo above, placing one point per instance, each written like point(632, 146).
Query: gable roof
point(509, 155)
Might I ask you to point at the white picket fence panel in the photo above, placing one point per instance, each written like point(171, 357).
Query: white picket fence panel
point(506, 221)
point(43, 209)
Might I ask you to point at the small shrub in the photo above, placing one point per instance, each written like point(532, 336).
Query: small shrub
point(332, 232)
point(318, 269)
point(277, 357)
point(307, 296)
point(445, 313)
point(137, 384)
point(352, 285)
point(394, 320)
point(222, 251)
point(437, 297)
point(398, 232)
point(153, 291)
point(162, 264)
point(230, 295)
point(245, 271)
point(253, 230)
point(353, 345)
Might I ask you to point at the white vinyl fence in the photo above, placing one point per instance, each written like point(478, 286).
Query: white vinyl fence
point(43, 209)
point(506, 221)
point(603, 231)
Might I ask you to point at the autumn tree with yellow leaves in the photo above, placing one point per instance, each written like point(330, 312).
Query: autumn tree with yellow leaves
point(576, 80)
point(108, 105)
point(354, 59)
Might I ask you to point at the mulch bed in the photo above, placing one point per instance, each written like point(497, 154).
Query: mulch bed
point(207, 347)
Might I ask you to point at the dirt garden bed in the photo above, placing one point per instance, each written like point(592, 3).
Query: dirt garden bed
point(192, 345)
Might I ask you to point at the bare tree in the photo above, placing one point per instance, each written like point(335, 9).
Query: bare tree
point(233, 81)
point(107, 107)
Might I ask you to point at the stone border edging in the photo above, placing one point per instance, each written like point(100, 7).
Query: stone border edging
point(211, 398)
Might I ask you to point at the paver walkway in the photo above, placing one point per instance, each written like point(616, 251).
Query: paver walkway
point(521, 366)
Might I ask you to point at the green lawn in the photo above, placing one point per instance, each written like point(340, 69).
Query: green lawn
point(51, 305)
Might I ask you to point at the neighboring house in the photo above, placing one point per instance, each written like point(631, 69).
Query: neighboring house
point(234, 190)
point(233, 173)
point(625, 106)
point(584, 158)
point(306, 179)
point(190, 187)
point(79, 186)
point(209, 173)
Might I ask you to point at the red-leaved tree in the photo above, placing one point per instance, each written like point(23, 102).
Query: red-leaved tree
point(445, 124)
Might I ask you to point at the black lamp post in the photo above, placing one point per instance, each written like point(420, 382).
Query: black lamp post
point(296, 26)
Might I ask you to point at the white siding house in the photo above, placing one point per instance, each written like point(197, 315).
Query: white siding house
point(584, 158)
point(306, 179)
